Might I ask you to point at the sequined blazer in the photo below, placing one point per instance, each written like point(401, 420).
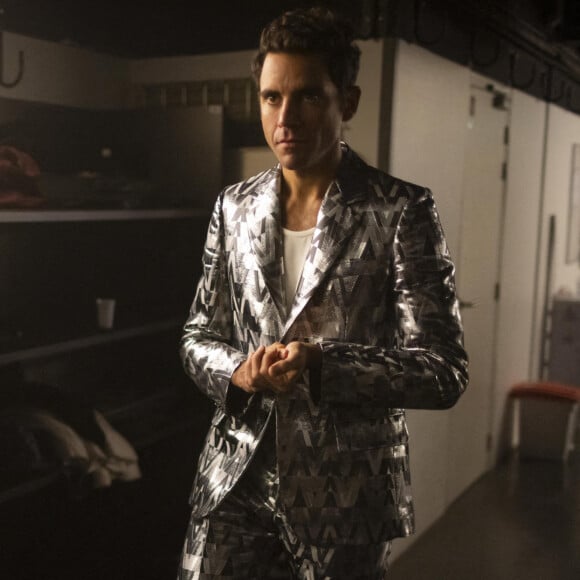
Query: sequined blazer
point(377, 293)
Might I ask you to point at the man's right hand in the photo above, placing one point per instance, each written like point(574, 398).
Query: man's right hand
point(253, 374)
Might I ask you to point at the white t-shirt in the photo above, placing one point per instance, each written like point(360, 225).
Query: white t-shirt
point(296, 246)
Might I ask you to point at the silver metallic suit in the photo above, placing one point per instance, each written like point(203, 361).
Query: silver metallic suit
point(377, 294)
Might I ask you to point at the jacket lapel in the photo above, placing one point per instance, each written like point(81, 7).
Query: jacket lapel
point(265, 232)
point(338, 219)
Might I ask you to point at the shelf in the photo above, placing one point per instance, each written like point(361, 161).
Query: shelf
point(36, 483)
point(87, 341)
point(88, 215)
point(33, 483)
point(144, 431)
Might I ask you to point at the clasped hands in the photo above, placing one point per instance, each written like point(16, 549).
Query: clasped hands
point(276, 367)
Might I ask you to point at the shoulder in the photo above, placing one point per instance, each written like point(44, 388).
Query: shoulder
point(252, 186)
point(241, 195)
point(359, 179)
point(394, 186)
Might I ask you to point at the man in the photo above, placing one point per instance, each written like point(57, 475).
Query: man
point(326, 306)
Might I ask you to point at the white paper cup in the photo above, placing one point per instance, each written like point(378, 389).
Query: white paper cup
point(105, 313)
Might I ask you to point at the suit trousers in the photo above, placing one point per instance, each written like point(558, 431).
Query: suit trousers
point(248, 537)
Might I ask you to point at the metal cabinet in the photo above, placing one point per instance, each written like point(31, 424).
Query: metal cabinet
point(564, 357)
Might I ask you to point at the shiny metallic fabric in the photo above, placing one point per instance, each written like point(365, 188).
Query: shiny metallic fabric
point(378, 294)
point(249, 537)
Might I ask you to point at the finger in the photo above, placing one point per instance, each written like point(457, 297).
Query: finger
point(295, 349)
point(277, 369)
point(293, 359)
point(277, 349)
point(284, 366)
point(255, 362)
point(271, 356)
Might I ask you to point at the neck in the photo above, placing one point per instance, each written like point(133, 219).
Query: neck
point(311, 183)
point(304, 189)
point(301, 200)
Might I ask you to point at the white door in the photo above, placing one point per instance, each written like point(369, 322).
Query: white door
point(477, 279)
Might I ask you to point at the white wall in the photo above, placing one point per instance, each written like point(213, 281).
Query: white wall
point(65, 75)
point(563, 132)
point(430, 111)
point(363, 132)
point(519, 255)
point(430, 107)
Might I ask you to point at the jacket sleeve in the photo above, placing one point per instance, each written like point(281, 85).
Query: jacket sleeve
point(206, 352)
point(427, 367)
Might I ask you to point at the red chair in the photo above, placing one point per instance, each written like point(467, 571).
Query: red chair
point(544, 419)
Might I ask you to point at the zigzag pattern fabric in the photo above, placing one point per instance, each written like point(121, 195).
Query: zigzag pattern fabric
point(249, 536)
point(377, 294)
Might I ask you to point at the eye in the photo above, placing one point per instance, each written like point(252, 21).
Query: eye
point(270, 98)
point(312, 97)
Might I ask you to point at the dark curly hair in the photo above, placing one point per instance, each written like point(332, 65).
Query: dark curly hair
point(314, 30)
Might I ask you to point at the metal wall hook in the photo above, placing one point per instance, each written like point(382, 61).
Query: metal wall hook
point(420, 39)
point(519, 85)
point(10, 84)
point(481, 63)
point(548, 84)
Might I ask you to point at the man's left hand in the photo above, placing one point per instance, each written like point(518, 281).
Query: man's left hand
point(295, 359)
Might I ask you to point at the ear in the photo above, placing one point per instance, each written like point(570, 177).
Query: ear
point(351, 100)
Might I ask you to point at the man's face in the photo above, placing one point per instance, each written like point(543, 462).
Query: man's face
point(302, 112)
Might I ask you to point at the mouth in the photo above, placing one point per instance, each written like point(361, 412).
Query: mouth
point(291, 141)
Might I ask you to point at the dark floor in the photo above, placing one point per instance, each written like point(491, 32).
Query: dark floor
point(519, 522)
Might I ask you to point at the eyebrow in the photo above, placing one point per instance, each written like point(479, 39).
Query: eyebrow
point(300, 91)
point(268, 92)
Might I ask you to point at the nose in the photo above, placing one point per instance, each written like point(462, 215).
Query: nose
point(289, 113)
